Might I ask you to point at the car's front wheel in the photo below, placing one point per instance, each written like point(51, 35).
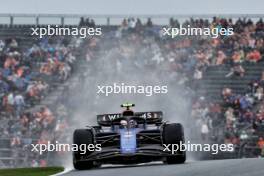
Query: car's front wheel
point(174, 134)
point(81, 137)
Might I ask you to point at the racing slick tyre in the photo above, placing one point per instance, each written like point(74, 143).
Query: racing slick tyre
point(82, 136)
point(173, 134)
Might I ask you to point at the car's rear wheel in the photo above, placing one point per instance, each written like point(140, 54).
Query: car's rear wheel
point(82, 136)
point(174, 134)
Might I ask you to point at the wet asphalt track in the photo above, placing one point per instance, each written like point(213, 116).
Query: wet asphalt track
point(234, 167)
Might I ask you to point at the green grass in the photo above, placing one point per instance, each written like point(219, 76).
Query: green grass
point(43, 171)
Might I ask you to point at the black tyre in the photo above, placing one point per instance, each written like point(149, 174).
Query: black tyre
point(173, 134)
point(82, 136)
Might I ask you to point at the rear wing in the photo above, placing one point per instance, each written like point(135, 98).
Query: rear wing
point(149, 117)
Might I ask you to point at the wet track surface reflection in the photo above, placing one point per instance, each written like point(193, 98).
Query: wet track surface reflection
point(234, 167)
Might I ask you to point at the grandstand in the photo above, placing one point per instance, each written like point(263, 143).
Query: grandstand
point(50, 68)
point(42, 84)
point(215, 81)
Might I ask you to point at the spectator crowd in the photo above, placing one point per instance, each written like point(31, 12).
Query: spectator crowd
point(187, 59)
point(27, 76)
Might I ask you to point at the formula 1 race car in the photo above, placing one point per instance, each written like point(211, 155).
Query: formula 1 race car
point(128, 138)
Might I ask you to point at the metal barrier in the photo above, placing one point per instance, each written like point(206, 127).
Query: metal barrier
point(107, 19)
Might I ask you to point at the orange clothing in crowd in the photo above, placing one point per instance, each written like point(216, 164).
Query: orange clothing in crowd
point(215, 42)
point(254, 56)
point(261, 143)
point(20, 72)
point(43, 141)
point(9, 62)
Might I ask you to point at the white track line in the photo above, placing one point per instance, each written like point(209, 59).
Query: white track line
point(63, 172)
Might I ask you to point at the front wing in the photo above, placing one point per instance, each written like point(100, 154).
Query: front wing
point(115, 155)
